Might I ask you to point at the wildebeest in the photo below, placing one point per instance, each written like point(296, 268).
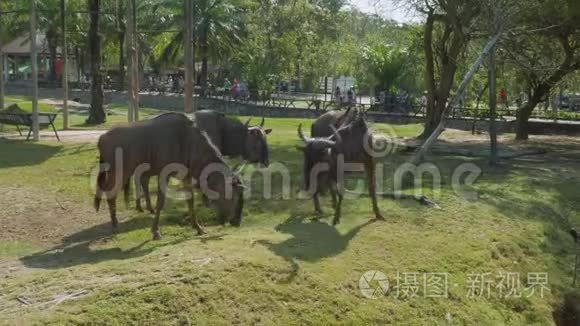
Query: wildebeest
point(351, 143)
point(232, 138)
point(319, 166)
point(172, 146)
point(336, 118)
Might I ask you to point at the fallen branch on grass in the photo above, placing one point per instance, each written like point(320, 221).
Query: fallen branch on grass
point(72, 296)
point(24, 301)
point(58, 299)
point(420, 199)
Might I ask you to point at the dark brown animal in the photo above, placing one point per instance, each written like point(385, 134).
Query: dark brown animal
point(320, 173)
point(352, 143)
point(232, 137)
point(322, 125)
point(171, 140)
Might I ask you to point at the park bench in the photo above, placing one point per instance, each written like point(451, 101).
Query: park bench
point(25, 119)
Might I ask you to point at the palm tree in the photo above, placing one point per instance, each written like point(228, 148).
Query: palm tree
point(219, 23)
point(97, 111)
point(217, 29)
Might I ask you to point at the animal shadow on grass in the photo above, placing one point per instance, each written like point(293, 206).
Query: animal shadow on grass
point(15, 153)
point(80, 248)
point(311, 241)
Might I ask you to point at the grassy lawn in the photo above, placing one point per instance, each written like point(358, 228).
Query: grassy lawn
point(282, 267)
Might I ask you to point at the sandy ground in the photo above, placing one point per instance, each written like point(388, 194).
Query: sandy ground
point(41, 217)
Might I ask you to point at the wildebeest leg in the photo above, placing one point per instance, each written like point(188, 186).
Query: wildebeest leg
point(146, 194)
point(160, 204)
point(205, 200)
point(112, 203)
point(190, 205)
point(370, 169)
point(138, 193)
point(337, 210)
point(317, 208)
point(333, 196)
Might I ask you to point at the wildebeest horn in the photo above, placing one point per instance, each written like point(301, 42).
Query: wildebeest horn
point(336, 134)
point(301, 134)
point(322, 143)
point(340, 121)
point(248, 122)
point(262, 123)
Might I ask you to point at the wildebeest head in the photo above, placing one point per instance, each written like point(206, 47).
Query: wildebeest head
point(256, 145)
point(219, 183)
point(229, 190)
point(232, 206)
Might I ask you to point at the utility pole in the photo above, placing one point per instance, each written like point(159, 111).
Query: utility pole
point(33, 70)
point(1, 65)
point(492, 108)
point(133, 73)
point(64, 66)
point(188, 46)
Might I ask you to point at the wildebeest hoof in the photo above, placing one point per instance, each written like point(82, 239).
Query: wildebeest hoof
point(156, 235)
point(335, 221)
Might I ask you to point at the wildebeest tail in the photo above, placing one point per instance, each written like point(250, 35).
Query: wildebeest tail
point(127, 192)
point(101, 182)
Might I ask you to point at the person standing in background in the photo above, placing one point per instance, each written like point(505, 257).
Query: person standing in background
point(503, 98)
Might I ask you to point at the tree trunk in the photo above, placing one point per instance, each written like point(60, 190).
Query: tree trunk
point(96, 111)
point(493, 160)
point(431, 120)
point(426, 146)
point(121, 28)
point(203, 52)
point(524, 113)
point(121, 80)
point(52, 45)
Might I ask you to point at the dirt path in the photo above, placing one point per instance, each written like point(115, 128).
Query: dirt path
point(66, 136)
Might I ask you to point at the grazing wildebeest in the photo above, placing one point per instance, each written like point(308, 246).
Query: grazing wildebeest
point(352, 143)
point(172, 146)
point(232, 138)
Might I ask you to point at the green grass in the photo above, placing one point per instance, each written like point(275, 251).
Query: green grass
point(280, 266)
